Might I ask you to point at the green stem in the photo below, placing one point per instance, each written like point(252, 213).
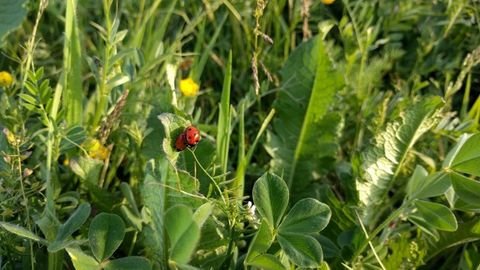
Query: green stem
point(382, 226)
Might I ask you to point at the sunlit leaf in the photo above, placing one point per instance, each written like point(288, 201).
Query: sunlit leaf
point(383, 160)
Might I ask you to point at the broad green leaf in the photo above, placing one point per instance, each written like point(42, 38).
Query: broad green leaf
point(82, 261)
point(467, 189)
point(87, 168)
point(465, 156)
point(153, 194)
point(306, 216)
point(330, 249)
point(437, 215)
point(73, 223)
point(20, 231)
point(105, 235)
point(261, 242)
point(202, 213)
point(303, 250)
point(12, 14)
point(383, 161)
point(270, 195)
point(416, 181)
point(421, 185)
point(183, 233)
point(128, 263)
point(309, 84)
point(267, 262)
point(434, 185)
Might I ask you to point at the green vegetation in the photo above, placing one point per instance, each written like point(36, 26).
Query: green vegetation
point(338, 135)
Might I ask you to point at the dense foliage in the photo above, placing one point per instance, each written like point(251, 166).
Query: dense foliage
point(334, 134)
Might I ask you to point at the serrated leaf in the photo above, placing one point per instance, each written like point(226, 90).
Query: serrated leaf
point(303, 250)
point(270, 195)
point(310, 82)
point(383, 160)
point(105, 235)
point(306, 216)
point(12, 14)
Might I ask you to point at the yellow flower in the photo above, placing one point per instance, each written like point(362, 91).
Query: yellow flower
point(328, 2)
point(96, 150)
point(189, 87)
point(6, 79)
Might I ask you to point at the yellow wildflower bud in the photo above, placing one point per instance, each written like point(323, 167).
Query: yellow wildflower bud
point(189, 87)
point(6, 79)
point(11, 138)
point(96, 150)
point(328, 2)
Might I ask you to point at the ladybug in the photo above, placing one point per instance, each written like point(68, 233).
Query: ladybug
point(192, 136)
point(181, 142)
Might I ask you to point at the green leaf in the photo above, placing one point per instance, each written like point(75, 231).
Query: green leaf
point(153, 195)
point(87, 168)
point(270, 195)
point(306, 216)
point(74, 222)
point(72, 64)
point(74, 137)
point(421, 185)
point(437, 215)
point(224, 127)
point(82, 261)
point(128, 263)
point(467, 189)
point(383, 161)
point(183, 233)
point(261, 242)
point(466, 232)
point(105, 235)
point(465, 155)
point(202, 213)
point(173, 126)
point(20, 231)
point(310, 82)
point(12, 14)
point(266, 262)
point(303, 250)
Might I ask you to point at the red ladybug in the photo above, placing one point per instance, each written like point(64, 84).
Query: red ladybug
point(181, 142)
point(192, 136)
